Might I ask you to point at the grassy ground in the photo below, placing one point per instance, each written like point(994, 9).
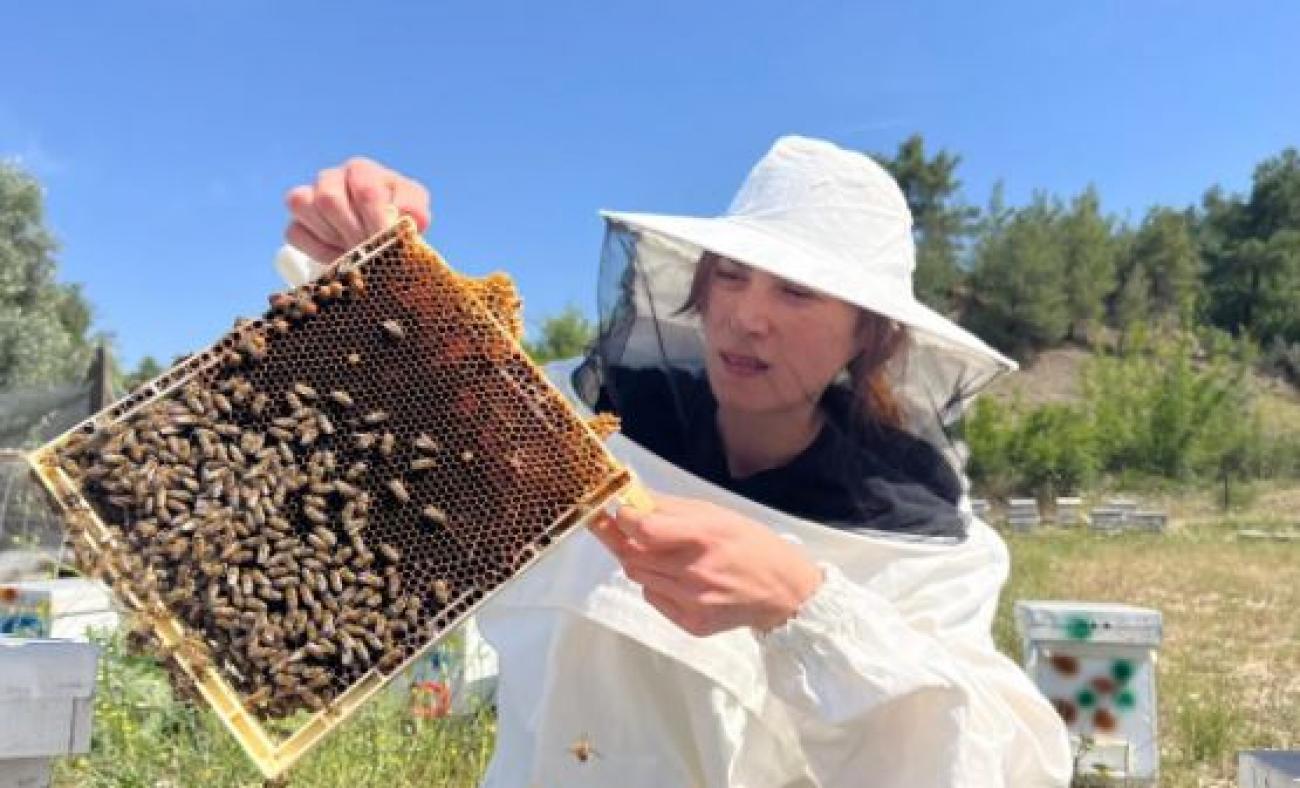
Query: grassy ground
point(142, 737)
point(1229, 668)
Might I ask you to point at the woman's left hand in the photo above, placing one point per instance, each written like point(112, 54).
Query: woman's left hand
point(707, 568)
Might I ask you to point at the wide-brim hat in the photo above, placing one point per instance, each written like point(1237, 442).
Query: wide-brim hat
point(834, 221)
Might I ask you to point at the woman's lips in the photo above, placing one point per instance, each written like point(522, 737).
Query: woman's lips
point(743, 366)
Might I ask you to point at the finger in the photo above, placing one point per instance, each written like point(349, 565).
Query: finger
point(412, 199)
point(302, 237)
point(609, 535)
point(670, 504)
point(657, 530)
point(664, 582)
point(301, 202)
point(334, 205)
point(370, 188)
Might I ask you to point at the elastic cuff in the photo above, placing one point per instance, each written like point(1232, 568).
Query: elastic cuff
point(828, 610)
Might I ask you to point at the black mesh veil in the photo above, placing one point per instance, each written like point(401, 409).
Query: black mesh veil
point(650, 365)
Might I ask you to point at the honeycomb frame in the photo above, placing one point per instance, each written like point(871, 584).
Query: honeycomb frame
point(507, 468)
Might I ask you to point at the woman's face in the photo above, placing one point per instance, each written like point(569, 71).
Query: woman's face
point(771, 345)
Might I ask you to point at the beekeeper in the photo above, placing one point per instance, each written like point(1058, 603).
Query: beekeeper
point(810, 601)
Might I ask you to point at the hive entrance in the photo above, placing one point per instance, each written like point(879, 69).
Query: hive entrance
point(306, 506)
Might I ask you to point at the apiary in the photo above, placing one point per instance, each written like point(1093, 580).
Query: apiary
point(297, 512)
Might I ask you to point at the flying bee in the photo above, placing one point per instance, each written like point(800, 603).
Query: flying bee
point(582, 750)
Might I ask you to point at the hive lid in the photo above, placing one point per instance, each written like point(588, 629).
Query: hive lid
point(1088, 622)
point(35, 669)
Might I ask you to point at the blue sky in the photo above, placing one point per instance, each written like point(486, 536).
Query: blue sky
point(167, 132)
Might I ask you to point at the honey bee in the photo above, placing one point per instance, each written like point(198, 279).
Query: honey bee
point(425, 443)
point(355, 282)
point(394, 330)
point(441, 591)
point(399, 490)
point(582, 749)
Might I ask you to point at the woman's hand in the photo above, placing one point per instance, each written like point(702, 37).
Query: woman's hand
point(709, 569)
point(350, 203)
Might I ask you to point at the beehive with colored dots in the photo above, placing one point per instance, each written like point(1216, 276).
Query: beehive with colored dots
point(1095, 662)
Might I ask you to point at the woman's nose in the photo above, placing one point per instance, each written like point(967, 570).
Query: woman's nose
point(751, 314)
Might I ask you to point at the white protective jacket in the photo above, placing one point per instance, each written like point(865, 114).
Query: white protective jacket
point(888, 676)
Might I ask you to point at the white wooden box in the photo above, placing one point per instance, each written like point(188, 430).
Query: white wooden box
point(47, 690)
point(1096, 663)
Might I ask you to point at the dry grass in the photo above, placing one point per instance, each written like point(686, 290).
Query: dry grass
point(1229, 667)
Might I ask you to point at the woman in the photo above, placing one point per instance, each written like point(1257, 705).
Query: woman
point(812, 604)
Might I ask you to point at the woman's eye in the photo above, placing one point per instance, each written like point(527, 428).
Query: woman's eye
point(730, 276)
point(799, 293)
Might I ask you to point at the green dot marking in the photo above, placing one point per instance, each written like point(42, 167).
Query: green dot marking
point(1126, 700)
point(1122, 670)
point(1086, 698)
point(1078, 628)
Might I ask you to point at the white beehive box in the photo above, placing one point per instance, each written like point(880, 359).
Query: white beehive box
point(74, 606)
point(1268, 769)
point(1068, 509)
point(25, 773)
point(47, 690)
point(1022, 514)
point(66, 608)
point(1096, 663)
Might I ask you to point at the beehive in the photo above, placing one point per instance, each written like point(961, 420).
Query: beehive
point(303, 508)
point(1096, 663)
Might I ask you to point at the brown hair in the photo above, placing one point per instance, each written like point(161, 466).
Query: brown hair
point(882, 339)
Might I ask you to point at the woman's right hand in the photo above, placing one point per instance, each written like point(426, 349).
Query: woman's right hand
point(348, 204)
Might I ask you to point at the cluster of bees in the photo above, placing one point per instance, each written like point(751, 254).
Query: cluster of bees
point(245, 515)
